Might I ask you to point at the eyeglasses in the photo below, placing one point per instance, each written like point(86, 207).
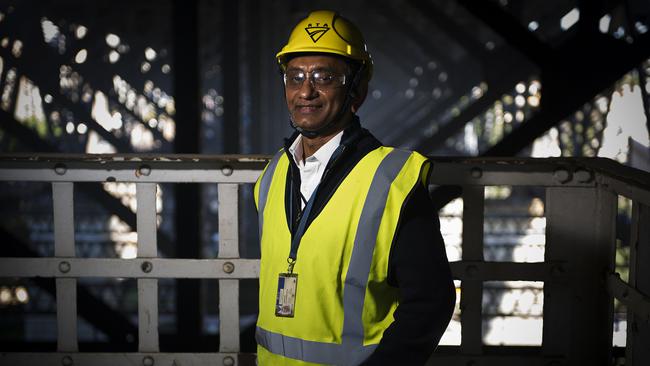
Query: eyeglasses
point(319, 79)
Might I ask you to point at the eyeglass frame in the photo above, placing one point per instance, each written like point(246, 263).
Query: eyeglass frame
point(310, 75)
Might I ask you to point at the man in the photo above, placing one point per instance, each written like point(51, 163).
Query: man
point(353, 268)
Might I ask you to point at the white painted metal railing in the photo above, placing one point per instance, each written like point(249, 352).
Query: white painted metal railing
point(578, 272)
point(145, 172)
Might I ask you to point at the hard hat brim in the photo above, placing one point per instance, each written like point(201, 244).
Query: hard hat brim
point(281, 56)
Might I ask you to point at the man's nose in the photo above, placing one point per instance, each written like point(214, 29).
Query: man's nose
point(307, 89)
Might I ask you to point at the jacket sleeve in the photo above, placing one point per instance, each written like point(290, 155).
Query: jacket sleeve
point(418, 267)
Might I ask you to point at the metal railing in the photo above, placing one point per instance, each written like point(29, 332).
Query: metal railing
point(578, 268)
point(578, 271)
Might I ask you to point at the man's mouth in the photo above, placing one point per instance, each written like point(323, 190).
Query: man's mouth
point(307, 108)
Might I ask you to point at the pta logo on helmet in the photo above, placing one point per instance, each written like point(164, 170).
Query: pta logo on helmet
point(316, 31)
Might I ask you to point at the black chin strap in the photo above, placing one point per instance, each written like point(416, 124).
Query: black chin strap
point(310, 133)
point(346, 104)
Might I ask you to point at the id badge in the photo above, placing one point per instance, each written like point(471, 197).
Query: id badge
point(286, 300)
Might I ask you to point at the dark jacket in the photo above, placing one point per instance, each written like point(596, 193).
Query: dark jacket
point(417, 266)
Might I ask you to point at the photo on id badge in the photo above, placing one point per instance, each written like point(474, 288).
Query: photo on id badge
point(286, 300)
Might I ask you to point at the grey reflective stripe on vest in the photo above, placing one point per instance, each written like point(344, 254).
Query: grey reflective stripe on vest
point(265, 184)
point(309, 351)
point(364, 246)
point(351, 351)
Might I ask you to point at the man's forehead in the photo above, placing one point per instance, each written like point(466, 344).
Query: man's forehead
point(316, 62)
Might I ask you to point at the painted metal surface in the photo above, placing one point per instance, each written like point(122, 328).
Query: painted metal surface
point(129, 268)
point(229, 248)
point(66, 288)
point(147, 288)
point(636, 294)
point(472, 287)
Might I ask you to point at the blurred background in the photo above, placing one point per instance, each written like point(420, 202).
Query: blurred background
point(536, 78)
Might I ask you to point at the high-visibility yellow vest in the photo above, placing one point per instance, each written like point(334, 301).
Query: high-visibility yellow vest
point(343, 301)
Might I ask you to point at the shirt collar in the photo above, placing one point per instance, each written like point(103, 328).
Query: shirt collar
point(322, 155)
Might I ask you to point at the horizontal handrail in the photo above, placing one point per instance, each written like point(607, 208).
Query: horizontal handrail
point(224, 168)
point(75, 267)
point(117, 358)
point(509, 271)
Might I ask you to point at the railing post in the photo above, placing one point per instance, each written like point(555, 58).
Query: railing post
point(578, 315)
point(66, 288)
point(471, 300)
point(147, 287)
point(638, 329)
point(228, 248)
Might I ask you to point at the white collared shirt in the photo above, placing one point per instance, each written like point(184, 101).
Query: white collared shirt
point(313, 167)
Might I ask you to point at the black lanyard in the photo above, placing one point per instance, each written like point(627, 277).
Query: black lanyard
point(302, 224)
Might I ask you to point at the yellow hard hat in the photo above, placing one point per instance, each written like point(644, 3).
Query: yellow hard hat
point(325, 31)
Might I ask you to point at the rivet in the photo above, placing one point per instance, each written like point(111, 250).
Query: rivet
point(66, 361)
point(64, 267)
point(583, 176)
point(228, 361)
point(562, 175)
point(226, 170)
point(60, 169)
point(110, 179)
point(146, 266)
point(143, 170)
point(476, 173)
point(147, 361)
point(228, 267)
